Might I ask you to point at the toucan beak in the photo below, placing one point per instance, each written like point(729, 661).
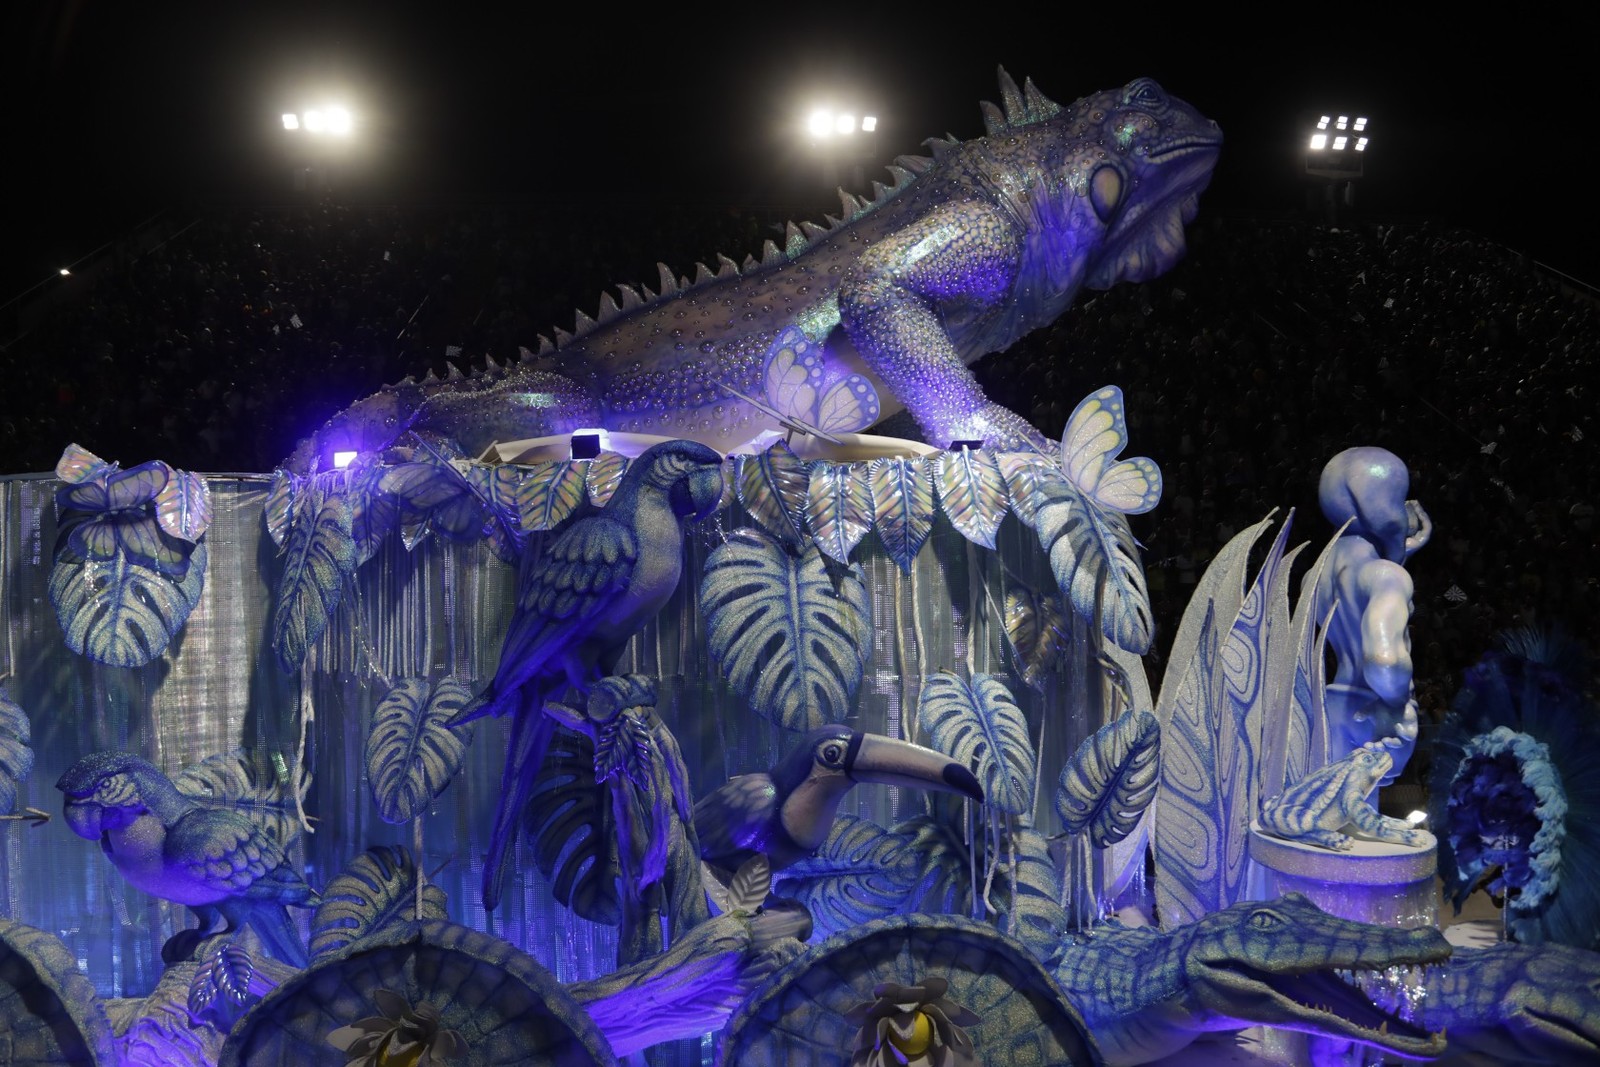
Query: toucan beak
point(887, 761)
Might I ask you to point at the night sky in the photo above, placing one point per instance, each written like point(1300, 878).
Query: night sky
point(118, 110)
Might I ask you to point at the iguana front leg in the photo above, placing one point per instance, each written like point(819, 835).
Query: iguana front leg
point(1375, 827)
point(892, 304)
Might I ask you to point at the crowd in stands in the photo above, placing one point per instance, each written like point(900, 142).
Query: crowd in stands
point(1274, 345)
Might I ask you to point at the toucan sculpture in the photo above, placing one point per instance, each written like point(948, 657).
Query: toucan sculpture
point(786, 813)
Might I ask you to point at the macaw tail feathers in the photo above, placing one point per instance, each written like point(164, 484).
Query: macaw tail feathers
point(272, 925)
point(531, 731)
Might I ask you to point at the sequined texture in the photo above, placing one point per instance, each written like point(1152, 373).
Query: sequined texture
point(967, 251)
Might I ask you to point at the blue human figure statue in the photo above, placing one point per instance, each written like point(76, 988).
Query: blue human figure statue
point(1371, 698)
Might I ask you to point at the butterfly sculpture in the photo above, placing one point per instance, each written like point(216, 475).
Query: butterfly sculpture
point(1095, 433)
point(802, 396)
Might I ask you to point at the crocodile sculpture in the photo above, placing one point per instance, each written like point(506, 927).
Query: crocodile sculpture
point(969, 250)
point(1525, 1004)
point(1145, 994)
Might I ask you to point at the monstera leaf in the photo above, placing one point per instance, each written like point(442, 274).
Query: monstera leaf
point(120, 613)
point(412, 753)
point(16, 758)
point(377, 889)
point(572, 827)
point(979, 724)
point(320, 555)
point(278, 513)
point(902, 505)
point(1036, 633)
point(939, 845)
point(262, 789)
point(1096, 563)
point(785, 636)
point(115, 513)
point(773, 487)
point(374, 514)
point(862, 872)
point(1111, 779)
point(972, 493)
point(839, 507)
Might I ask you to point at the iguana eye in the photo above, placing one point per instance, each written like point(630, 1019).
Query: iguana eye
point(1144, 93)
point(1105, 192)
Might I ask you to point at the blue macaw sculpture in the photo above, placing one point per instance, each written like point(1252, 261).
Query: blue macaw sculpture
point(786, 813)
point(579, 604)
point(214, 860)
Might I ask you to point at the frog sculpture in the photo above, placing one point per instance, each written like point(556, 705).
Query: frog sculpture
point(1329, 807)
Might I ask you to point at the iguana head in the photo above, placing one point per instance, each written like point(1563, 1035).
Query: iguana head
point(1277, 963)
point(1153, 155)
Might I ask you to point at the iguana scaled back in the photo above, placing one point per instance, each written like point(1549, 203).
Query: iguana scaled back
point(971, 248)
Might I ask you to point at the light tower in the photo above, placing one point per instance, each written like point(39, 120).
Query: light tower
point(1335, 153)
point(842, 140)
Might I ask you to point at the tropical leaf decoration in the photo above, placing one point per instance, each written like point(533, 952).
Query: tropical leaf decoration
point(374, 514)
point(278, 513)
point(839, 507)
point(1189, 813)
point(319, 556)
point(1277, 676)
point(1106, 786)
point(16, 757)
point(902, 505)
point(972, 493)
point(259, 786)
point(1036, 633)
point(1025, 475)
point(751, 884)
point(120, 613)
point(435, 497)
point(979, 724)
point(789, 638)
point(1096, 563)
point(862, 872)
point(1125, 860)
point(377, 889)
point(78, 465)
point(412, 753)
point(939, 845)
point(1032, 904)
point(774, 486)
point(550, 493)
point(572, 828)
point(222, 979)
point(603, 475)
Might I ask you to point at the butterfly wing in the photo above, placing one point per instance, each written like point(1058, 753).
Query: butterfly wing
point(78, 465)
point(793, 374)
point(1096, 432)
point(848, 405)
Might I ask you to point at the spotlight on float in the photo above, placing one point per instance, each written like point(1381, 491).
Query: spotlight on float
point(1417, 818)
point(291, 121)
point(967, 445)
point(339, 122)
point(341, 460)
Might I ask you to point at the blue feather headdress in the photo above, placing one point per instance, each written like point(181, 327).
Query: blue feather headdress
point(1515, 795)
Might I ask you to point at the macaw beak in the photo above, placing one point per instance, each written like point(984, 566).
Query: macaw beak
point(887, 761)
point(83, 818)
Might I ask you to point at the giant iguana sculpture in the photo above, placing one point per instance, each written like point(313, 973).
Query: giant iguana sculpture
point(1145, 994)
point(969, 250)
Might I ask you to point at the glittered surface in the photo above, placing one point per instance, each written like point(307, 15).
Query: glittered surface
point(441, 609)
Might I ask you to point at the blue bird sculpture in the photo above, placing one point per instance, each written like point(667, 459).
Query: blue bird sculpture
point(578, 605)
point(786, 813)
point(214, 860)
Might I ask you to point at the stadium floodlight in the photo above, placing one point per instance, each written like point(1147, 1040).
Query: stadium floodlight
point(820, 124)
point(1322, 123)
point(1319, 141)
point(1339, 143)
point(339, 121)
point(65, 272)
point(869, 123)
point(291, 121)
point(1344, 121)
point(1361, 144)
point(845, 124)
point(314, 121)
point(1361, 124)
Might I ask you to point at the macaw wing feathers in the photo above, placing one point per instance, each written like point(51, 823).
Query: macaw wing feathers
point(592, 560)
point(227, 853)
